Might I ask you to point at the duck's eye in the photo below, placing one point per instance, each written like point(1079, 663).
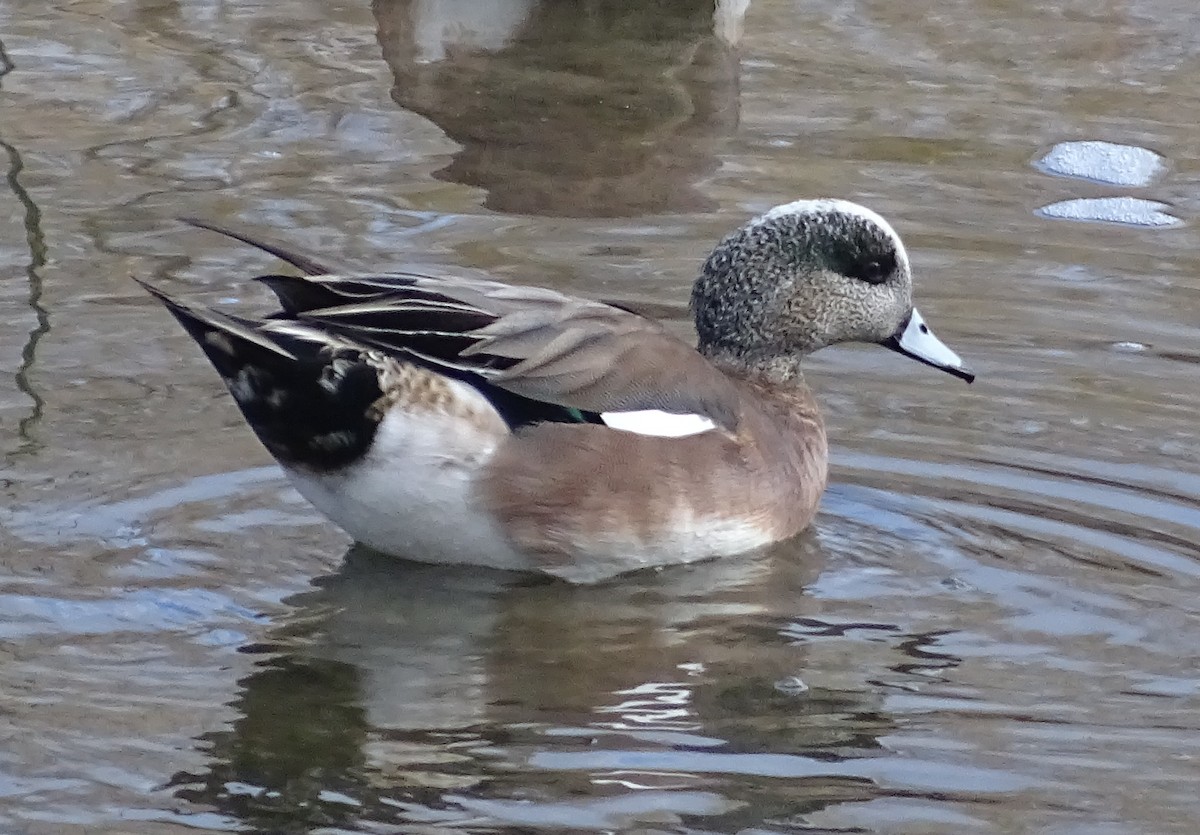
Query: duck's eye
point(873, 269)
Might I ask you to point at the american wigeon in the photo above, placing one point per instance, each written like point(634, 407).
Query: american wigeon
point(456, 420)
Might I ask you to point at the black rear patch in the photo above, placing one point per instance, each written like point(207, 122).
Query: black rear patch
point(314, 411)
point(312, 407)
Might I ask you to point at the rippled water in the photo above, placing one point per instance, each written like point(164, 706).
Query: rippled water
point(994, 625)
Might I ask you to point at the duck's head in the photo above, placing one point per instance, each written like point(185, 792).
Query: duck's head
point(806, 275)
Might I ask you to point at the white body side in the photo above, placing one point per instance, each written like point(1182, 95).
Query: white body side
point(412, 495)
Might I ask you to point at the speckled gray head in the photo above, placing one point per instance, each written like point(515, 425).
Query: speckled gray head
point(806, 275)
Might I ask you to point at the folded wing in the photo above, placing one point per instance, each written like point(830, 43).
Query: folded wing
point(532, 342)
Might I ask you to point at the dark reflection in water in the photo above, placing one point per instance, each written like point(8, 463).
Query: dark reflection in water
point(37, 260)
point(36, 241)
point(444, 695)
point(588, 108)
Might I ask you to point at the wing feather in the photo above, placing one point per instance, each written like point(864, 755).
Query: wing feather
point(541, 345)
point(531, 341)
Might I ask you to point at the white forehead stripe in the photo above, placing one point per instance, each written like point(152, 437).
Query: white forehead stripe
point(830, 206)
point(658, 423)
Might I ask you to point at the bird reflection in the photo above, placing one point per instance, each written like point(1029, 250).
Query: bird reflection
point(589, 108)
point(407, 692)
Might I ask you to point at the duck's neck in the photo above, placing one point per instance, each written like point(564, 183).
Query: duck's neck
point(776, 369)
point(781, 413)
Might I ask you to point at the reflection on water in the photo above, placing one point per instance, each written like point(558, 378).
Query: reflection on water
point(394, 689)
point(586, 108)
point(993, 626)
point(37, 260)
point(36, 243)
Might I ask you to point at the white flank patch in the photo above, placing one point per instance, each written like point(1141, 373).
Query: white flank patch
point(658, 423)
point(413, 493)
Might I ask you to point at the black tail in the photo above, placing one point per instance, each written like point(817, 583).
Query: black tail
point(309, 403)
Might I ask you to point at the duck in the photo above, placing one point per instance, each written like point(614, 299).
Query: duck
point(461, 420)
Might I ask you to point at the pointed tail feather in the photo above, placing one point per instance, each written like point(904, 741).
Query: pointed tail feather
point(213, 330)
point(306, 263)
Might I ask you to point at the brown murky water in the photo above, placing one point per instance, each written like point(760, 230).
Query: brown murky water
point(995, 625)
